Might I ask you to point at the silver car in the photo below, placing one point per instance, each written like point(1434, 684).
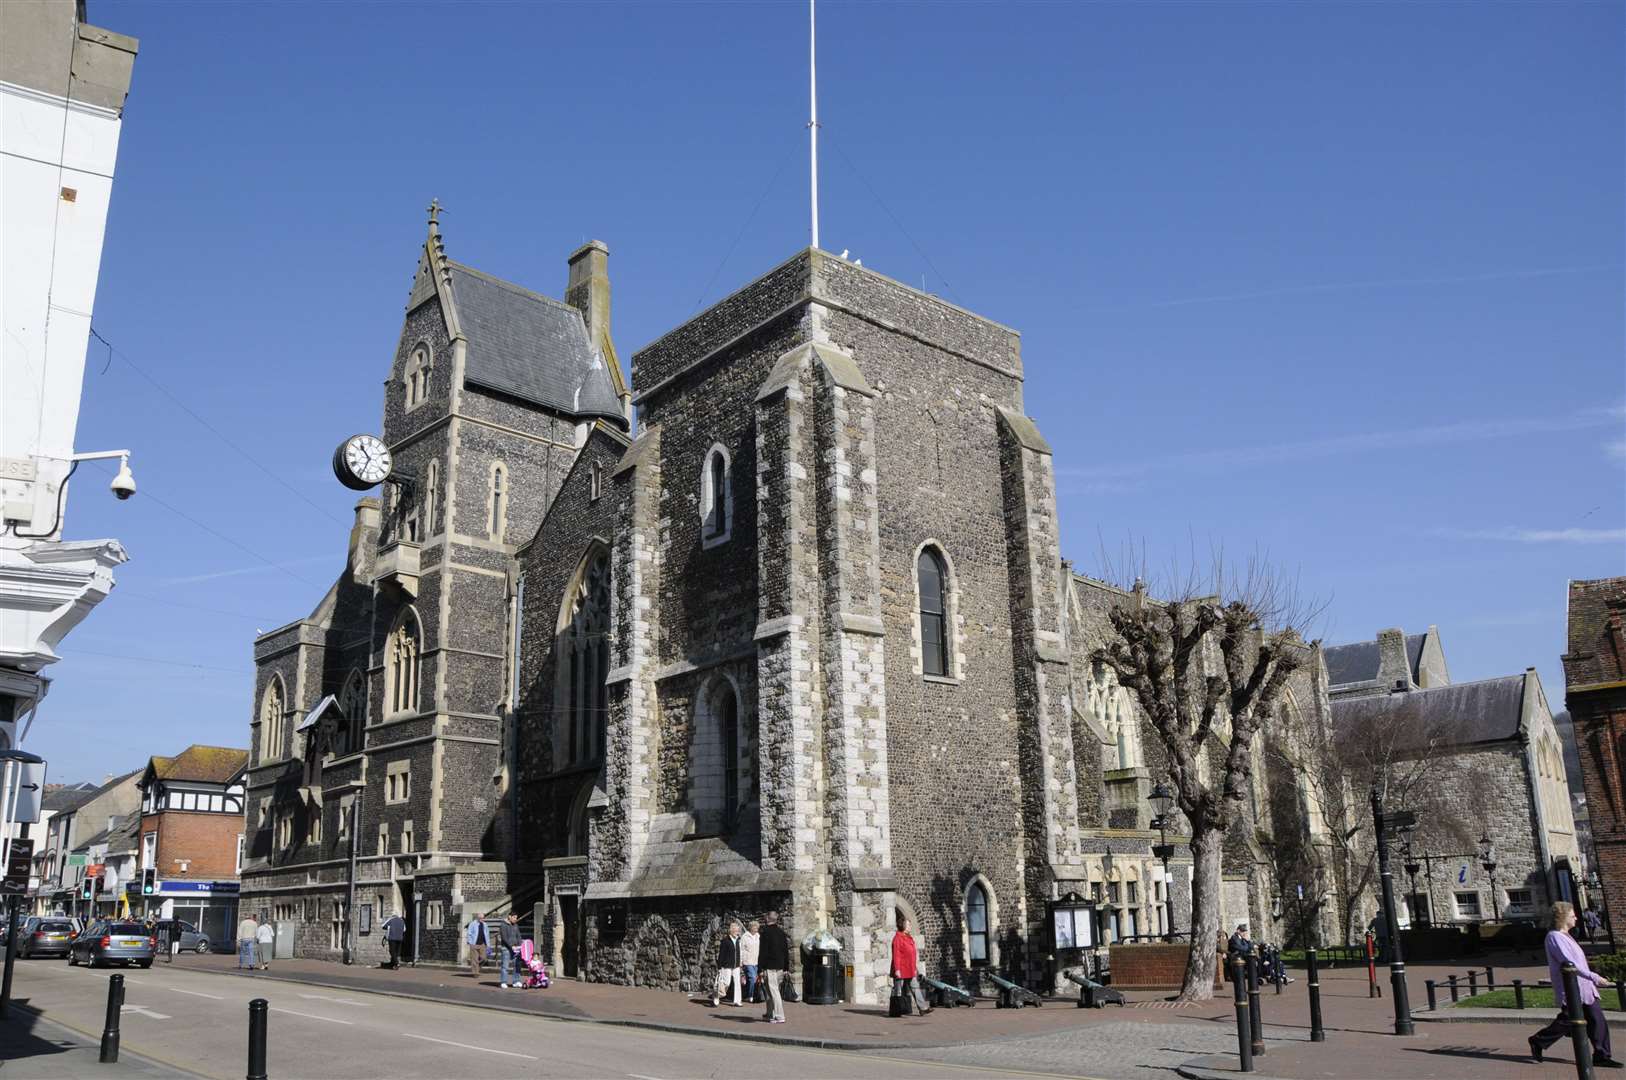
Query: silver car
point(45, 937)
point(192, 939)
point(113, 941)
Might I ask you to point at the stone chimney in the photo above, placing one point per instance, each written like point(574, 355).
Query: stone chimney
point(1394, 670)
point(589, 288)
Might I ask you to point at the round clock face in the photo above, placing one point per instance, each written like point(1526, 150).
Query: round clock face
point(361, 462)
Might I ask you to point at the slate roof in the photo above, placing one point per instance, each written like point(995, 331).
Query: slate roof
point(204, 764)
point(66, 798)
point(1490, 710)
point(1358, 661)
point(531, 346)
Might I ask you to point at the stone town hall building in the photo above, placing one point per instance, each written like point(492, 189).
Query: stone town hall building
point(802, 640)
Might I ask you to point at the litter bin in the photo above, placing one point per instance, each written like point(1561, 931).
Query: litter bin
point(821, 969)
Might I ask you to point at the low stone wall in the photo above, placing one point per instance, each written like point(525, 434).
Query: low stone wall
point(1154, 966)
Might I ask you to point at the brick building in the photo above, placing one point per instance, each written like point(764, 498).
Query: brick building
point(191, 838)
point(805, 640)
point(1595, 694)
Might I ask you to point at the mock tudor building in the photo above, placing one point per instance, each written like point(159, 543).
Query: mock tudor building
point(805, 641)
point(192, 838)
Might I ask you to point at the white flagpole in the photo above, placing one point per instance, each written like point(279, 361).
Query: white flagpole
point(813, 115)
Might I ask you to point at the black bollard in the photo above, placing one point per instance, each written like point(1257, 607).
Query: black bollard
point(1257, 1020)
point(1277, 976)
point(1473, 983)
point(1453, 981)
point(1518, 993)
point(1490, 978)
point(1244, 1040)
point(110, 1027)
point(1620, 993)
point(1428, 984)
point(257, 1010)
point(1578, 1033)
point(1317, 1033)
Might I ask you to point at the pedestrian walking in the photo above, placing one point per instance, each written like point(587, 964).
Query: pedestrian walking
point(508, 969)
point(172, 943)
point(750, 952)
point(394, 936)
point(773, 958)
point(906, 969)
point(1592, 923)
point(477, 938)
point(246, 929)
point(265, 940)
point(1562, 948)
point(728, 965)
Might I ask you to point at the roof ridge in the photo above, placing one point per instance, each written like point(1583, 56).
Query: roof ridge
point(520, 289)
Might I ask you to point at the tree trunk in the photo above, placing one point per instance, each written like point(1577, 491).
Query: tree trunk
point(1205, 914)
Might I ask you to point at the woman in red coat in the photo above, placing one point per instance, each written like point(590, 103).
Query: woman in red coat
point(905, 966)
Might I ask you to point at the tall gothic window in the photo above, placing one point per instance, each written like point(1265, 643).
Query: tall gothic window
point(976, 924)
point(404, 657)
point(716, 769)
point(431, 498)
point(585, 663)
point(353, 706)
point(271, 717)
point(499, 502)
point(716, 497)
point(416, 377)
point(934, 646)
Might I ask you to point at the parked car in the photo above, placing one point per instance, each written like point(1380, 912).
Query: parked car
point(45, 937)
point(192, 939)
point(113, 941)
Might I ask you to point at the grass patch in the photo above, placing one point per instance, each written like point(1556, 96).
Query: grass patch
point(1535, 997)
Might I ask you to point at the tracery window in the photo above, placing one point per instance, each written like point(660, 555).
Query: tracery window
point(353, 707)
point(415, 376)
point(404, 658)
point(934, 641)
point(272, 709)
point(585, 650)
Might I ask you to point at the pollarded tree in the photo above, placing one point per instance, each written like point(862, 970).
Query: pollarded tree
point(1207, 672)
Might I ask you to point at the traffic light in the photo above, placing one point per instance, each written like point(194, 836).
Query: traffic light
point(149, 881)
point(87, 889)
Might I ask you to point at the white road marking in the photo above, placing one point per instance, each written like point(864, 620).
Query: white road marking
point(466, 1046)
point(311, 1016)
point(641, 1076)
point(197, 993)
point(339, 1001)
point(145, 1012)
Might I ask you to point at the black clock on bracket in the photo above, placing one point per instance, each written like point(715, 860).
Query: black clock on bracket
point(362, 462)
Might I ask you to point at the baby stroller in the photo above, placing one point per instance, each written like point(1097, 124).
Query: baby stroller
point(536, 972)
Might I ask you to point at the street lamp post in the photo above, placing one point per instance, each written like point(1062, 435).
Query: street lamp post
point(1397, 961)
point(1487, 859)
point(1162, 800)
point(1412, 866)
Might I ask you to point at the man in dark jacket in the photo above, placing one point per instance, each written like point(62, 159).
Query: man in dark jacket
point(728, 965)
point(394, 934)
point(1239, 945)
point(773, 958)
point(508, 952)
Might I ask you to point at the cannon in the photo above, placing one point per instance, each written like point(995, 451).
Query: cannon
point(1094, 995)
point(944, 994)
point(1012, 996)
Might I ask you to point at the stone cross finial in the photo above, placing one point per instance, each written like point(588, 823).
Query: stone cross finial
point(434, 213)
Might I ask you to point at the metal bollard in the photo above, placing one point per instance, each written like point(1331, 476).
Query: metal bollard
point(1620, 993)
point(1490, 978)
point(110, 1027)
point(1473, 983)
point(1518, 993)
point(1317, 1033)
point(1254, 1012)
point(257, 1010)
point(1578, 1032)
point(1428, 984)
point(1244, 1041)
point(1274, 977)
point(1453, 982)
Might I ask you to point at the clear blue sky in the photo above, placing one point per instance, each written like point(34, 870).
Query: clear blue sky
point(1340, 282)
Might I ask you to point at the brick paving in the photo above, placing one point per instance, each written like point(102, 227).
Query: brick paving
point(1149, 1034)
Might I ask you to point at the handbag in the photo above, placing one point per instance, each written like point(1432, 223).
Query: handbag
point(900, 1004)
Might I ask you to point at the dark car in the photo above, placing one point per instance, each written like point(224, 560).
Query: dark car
point(192, 939)
point(45, 937)
point(113, 941)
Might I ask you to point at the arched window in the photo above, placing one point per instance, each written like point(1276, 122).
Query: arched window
point(353, 706)
point(716, 497)
point(595, 481)
point(403, 659)
point(584, 661)
point(716, 782)
point(499, 502)
point(934, 643)
point(976, 924)
point(271, 716)
point(416, 377)
point(431, 498)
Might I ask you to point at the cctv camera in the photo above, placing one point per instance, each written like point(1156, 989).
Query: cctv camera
point(124, 484)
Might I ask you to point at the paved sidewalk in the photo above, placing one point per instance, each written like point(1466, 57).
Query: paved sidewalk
point(34, 1048)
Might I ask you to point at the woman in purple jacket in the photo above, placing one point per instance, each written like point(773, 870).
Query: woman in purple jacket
point(1561, 947)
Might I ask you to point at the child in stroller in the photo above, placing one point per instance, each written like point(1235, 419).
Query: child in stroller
point(536, 972)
